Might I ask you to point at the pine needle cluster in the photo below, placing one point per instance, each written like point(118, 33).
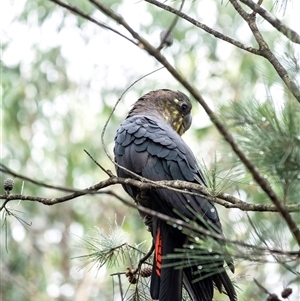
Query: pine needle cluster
point(270, 136)
point(105, 248)
point(111, 248)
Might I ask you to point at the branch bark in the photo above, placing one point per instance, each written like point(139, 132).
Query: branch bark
point(265, 49)
point(178, 222)
point(82, 14)
point(204, 27)
point(224, 199)
point(276, 23)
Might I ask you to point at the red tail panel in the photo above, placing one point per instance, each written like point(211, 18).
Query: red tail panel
point(158, 252)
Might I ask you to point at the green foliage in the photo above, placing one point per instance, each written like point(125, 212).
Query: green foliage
point(270, 136)
point(105, 248)
point(220, 178)
point(112, 249)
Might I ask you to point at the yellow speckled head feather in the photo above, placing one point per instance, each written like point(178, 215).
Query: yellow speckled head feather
point(173, 106)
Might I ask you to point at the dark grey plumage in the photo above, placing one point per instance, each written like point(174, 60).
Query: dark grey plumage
point(148, 143)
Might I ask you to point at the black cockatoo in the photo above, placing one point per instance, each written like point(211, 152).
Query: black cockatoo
point(148, 143)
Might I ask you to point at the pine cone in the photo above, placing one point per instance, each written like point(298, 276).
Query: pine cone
point(146, 272)
point(166, 37)
point(8, 184)
point(131, 276)
point(286, 292)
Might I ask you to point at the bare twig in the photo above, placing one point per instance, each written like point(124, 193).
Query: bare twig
point(202, 231)
point(79, 12)
point(289, 33)
point(261, 287)
point(261, 51)
point(108, 172)
point(9, 171)
point(262, 239)
point(266, 52)
point(204, 27)
point(143, 259)
point(111, 114)
point(180, 223)
point(121, 288)
point(168, 32)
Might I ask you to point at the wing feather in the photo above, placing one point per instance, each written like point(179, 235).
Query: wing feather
point(172, 159)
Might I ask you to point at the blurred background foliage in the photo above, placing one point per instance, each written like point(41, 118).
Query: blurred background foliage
point(61, 76)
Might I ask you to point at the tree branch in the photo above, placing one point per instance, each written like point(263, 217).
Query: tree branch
point(82, 14)
point(263, 46)
point(201, 230)
point(171, 27)
point(143, 259)
point(209, 30)
point(223, 199)
point(266, 52)
point(191, 225)
point(289, 33)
